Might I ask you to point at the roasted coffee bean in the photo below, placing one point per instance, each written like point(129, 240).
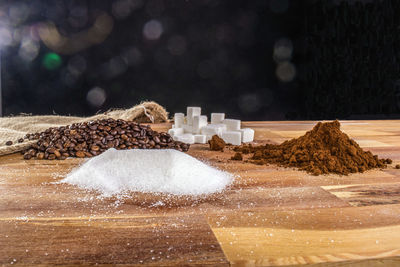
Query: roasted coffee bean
point(9, 143)
point(80, 154)
point(20, 140)
point(40, 155)
point(57, 153)
point(92, 138)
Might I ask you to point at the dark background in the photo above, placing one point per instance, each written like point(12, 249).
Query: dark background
point(254, 60)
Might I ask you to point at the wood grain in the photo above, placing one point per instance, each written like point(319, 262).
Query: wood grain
point(269, 216)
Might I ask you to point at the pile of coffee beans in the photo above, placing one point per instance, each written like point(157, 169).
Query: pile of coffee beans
point(92, 138)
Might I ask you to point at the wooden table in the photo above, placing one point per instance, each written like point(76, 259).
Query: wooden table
point(270, 216)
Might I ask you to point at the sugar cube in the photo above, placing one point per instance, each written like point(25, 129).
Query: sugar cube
point(217, 118)
point(187, 128)
point(247, 135)
point(232, 137)
point(179, 119)
point(185, 138)
point(191, 112)
point(213, 129)
point(200, 138)
point(198, 123)
point(175, 131)
point(232, 125)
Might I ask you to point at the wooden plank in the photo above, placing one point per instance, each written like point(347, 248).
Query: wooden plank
point(271, 238)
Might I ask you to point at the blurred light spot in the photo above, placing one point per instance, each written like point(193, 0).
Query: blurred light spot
point(286, 71)
point(68, 78)
point(77, 65)
point(155, 8)
point(5, 36)
point(279, 6)
point(51, 61)
point(249, 103)
point(121, 9)
point(177, 45)
point(116, 66)
point(152, 30)
point(206, 69)
point(283, 50)
point(132, 56)
point(18, 13)
point(29, 49)
point(96, 97)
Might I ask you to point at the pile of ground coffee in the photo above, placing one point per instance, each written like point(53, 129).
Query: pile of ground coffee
point(92, 138)
point(324, 149)
point(216, 143)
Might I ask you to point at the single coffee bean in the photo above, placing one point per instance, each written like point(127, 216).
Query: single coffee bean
point(57, 153)
point(20, 140)
point(27, 156)
point(40, 155)
point(51, 157)
point(9, 143)
point(80, 154)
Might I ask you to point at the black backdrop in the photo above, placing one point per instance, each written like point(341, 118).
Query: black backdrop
point(255, 60)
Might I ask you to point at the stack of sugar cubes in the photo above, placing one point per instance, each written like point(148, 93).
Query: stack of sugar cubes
point(194, 128)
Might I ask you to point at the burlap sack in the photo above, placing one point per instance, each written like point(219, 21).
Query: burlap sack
point(13, 128)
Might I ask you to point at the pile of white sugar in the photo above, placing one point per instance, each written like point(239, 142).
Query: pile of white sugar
point(149, 171)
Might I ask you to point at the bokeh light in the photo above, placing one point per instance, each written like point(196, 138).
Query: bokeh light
point(28, 50)
point(6, 37)
point(286, 71)
point(152, 30)
point(96, 97)
point(51, 61)
point(283, 49)
point(77, 65)
point(121, 9)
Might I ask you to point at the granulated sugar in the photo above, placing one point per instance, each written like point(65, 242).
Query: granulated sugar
point(148, 171)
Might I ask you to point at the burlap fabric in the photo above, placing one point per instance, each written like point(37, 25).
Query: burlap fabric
point(13, 128)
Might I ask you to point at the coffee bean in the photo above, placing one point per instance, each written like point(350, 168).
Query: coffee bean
point(80, 154)
point(92, 138)
point(57, 153)
point(9, 143)
point(20, 140)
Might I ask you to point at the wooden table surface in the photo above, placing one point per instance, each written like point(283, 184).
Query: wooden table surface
point(271, 216)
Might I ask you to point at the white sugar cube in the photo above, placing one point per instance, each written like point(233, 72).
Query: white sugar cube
point(185, 138)
point(179, 119)
point(217, 118)
point(247, 135)
point(232, 137)
point(213, 129)
point(187, 128)
point(200, 139)
point(232, 125)
point(191, 112)
point(198, 123)
point(175, 131)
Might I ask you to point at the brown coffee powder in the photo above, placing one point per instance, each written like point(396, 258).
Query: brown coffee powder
point(216, 143)
point(324, 149)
